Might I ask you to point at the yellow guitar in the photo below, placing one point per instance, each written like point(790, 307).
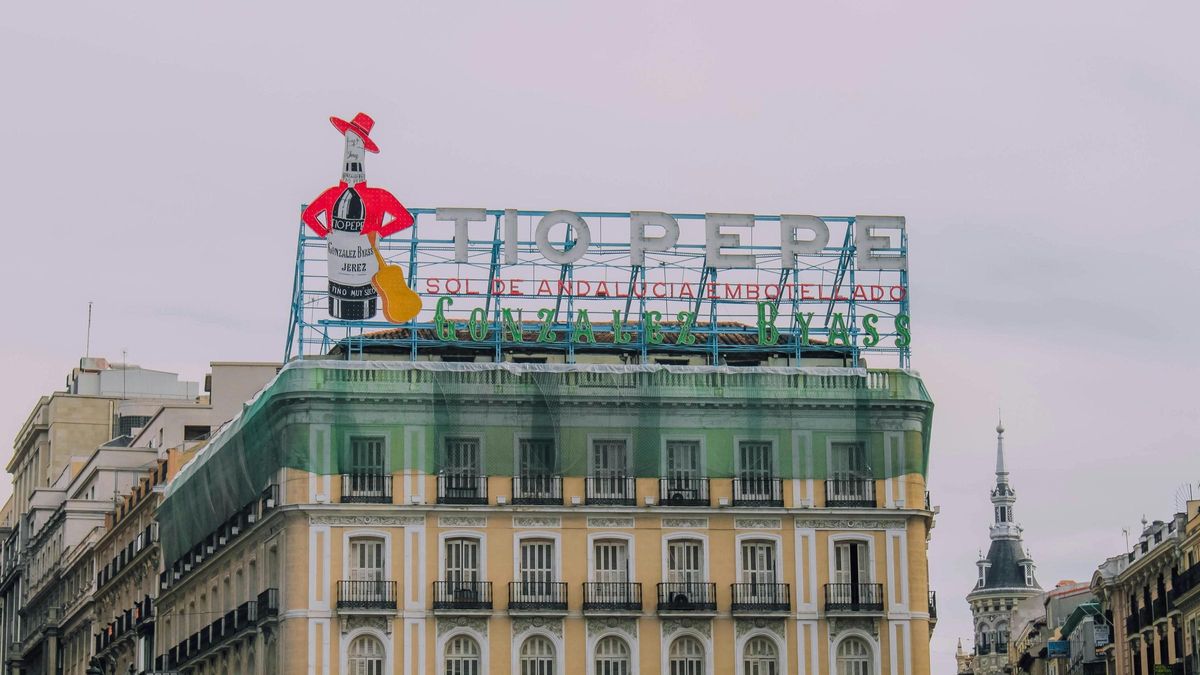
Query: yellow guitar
point(400, 303)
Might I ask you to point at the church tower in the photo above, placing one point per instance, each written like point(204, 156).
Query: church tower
point(1005, 576)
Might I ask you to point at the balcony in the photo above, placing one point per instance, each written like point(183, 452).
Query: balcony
point(932, 606)
point(761, 598)
point(683, 491)
point(1185, 582)
point(545, 490)
point(1145, 618)
point(758, 492)
point(850, 493)
point(687, 597)
point(1160, 608)
point(537, 596)
point(606, 597)
point(611, 490)
point(984, 649)
point(854, 598)
point(1001, 647)
point(366, 488)
point(1131, 625)
point(370, 596)
point(268, 603)
point(462, 488)
point(462, 595)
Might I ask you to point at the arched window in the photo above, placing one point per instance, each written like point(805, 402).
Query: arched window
point(853, 657)
point(687, 656)
point(760, 657)
point(537, 656)
point(462, 656)
point(612, 656)
point(366, 656)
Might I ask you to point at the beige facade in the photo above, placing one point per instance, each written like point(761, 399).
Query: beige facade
point(385, 551)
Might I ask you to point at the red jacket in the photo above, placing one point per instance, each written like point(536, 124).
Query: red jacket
point(376, 201)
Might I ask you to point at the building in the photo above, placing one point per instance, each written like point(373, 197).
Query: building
point(1186, 589)
point(1140, 595)
point(534, 516)
point(1006, 576)
point(82, 456)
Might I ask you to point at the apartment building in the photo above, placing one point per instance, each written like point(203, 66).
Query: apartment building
point(436, 516)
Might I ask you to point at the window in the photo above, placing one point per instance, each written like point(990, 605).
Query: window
point(537, 573)
point(537, 656)
point(195, 432)
point(853, 657)
point(982, 576)
point(850, 477)
point(755, 461)
point(685, 561)
point(462, 656)
point(609, 459)
point(461, 457)
point(366, 656)
point(686, 657)
point(366, 455)
point(612, 656)
point(535, 457)
point(760, 658)
point(366, 559)
point(683, 460)
point(462, 560)
point(1028, 574)
point(610, 558)
point(758, 562)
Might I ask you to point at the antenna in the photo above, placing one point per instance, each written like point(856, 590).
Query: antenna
point(124, 372)
point(87, 344)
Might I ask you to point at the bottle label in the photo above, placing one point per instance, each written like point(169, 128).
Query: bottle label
point(351, 259)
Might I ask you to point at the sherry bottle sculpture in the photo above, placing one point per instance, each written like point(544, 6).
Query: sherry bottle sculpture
point(355, 216)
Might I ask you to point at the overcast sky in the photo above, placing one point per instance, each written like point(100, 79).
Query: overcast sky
point(153, 158)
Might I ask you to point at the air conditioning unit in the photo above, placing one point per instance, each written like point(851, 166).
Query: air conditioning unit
point(234, 530)
point(680, 600)
point(251, 518)
point(221, 540)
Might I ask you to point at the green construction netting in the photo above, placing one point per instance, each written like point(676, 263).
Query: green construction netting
point(311, 413)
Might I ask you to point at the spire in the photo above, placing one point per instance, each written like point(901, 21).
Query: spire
point(1001, 471)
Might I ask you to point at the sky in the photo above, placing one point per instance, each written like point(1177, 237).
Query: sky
point(153, 158)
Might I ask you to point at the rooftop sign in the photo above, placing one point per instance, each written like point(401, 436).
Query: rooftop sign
point(573, 280)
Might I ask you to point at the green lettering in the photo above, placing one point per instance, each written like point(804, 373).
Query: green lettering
point(768, 334)
point(546, 333)
point(477, 325)
point(583, 328)
point(514, 327)
point(687, 320)
point(804, 321)
point(620, 335)
point(872, 338)
point(903, 337)
point(443, 327)
point(838, 330)
point(652, 326)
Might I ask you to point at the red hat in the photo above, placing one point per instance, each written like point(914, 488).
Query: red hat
point(361, 125)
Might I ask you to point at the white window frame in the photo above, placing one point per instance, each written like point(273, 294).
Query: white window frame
point(836, 539)
point(555, 537)
point(605, 536)
point(592, 439)
point(704, 551)
point(772, 439)
point(476, 435)
point(630, 641)
point(872, 647)
point(349, 638)
point(689, 438)
point(518, 641)
point(479, 638)
point(367, 534)
point(705, 643)
point(776, 541)
point(480, 537)
point(780, 650)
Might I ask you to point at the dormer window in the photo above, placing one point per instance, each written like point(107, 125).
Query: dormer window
point(982, 576)
point(1028, 574)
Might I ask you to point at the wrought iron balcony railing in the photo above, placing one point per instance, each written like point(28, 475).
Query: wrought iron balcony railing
point(932, 606)
point(850, 492)
point(611, 490)
point(542, 489)
point(366, 488)
point(368, 595)
point(683, 491)
point(612, 596)
point(853, 597)
point(754, 598)
point(687, 596)
point(462, 488)
point(757, 491)
point(462, 595)
point(537, 596)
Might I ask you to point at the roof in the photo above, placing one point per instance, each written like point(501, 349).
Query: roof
point(1005, 571)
